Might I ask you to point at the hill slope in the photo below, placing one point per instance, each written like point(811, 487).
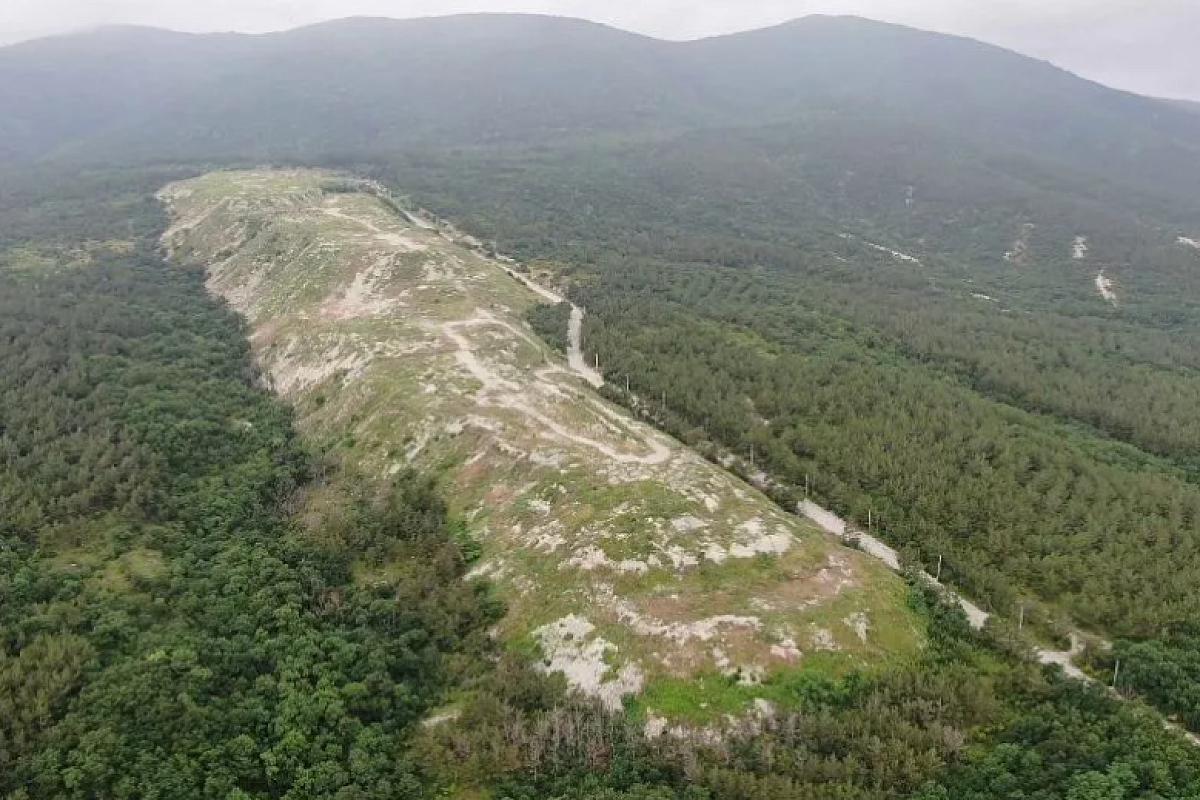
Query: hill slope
point(628, 558)
point(920, 333)
point(951, 85)
point(368, 86)
point(1004, 254)
point(65, 90)
point(358, 84)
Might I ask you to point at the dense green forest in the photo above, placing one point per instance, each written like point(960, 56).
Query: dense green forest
point(164, 629)
point(167, 629)
point(1164, 669)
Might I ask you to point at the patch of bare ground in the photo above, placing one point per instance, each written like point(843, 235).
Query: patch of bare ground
point(1019, 254)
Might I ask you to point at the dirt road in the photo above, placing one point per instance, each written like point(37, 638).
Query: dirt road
point(834, 524)
point(498, 391)
point(575, 355)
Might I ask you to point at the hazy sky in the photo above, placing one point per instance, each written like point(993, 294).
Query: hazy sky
point(1151, 46)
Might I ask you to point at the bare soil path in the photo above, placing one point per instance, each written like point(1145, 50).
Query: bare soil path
point(497, 391)
point(975, 615)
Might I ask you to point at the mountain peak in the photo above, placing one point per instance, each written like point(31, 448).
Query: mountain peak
point(372, 84)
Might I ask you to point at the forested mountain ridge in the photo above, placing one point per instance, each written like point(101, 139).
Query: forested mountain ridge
point(631, 562)
point(57, 91)
point(369, 86)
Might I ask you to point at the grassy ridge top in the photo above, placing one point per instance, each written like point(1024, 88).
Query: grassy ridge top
point(631, 561)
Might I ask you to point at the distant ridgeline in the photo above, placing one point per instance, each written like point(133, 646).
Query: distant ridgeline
point(361, 88)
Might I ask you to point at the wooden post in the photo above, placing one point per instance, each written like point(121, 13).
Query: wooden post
point(1021, 619)
point(938, 577)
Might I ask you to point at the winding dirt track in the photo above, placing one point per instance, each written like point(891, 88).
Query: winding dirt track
point(575, 355)
point(499, 392)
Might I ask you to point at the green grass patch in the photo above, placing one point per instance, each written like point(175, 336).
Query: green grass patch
point(823, 679)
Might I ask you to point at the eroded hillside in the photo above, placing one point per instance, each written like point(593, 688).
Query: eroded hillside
point(629, 559)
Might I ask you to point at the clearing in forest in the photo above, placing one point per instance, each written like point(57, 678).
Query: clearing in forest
point(630, 561)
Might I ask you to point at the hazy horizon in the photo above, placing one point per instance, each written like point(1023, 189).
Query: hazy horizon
point(1142, 47)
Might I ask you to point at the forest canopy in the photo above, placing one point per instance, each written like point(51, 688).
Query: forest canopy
point(167, 628)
